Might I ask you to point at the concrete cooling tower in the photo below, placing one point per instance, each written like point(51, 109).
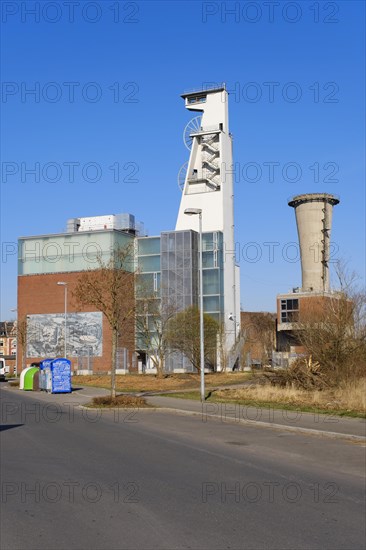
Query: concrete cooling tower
point(314, 222)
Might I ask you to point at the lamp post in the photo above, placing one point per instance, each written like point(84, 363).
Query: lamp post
point(62, 283)
point(194, 212)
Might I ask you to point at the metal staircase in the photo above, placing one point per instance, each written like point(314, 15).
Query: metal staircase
point(234, 353)
point(210, 160)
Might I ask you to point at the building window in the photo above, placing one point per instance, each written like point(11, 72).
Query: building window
point(289, 311)
point(197, 99)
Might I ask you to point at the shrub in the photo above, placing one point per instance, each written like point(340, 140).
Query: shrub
point(126, 401)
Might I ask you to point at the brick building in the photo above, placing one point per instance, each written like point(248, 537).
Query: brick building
point(8, 342)
point(44, 262)
point(294, 311)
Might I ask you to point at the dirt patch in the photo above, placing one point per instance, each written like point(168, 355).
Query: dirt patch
point(150, 382)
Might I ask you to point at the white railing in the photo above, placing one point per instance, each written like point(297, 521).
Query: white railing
point(202, 90)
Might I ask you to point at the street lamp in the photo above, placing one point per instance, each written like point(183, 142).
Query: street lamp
point(195, 212)
point(62, 283)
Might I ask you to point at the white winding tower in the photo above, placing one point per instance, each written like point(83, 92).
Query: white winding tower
point(206, 183)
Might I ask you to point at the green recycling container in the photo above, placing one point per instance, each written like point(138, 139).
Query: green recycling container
point(30, 377)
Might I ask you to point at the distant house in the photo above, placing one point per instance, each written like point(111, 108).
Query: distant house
point(8, 341)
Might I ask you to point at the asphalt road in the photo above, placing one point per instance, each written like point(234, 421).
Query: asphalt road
point(75, 479)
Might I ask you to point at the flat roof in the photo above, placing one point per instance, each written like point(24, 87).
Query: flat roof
point(65, 233)
point(203, 91)
point(313, 197)
point(307, 293)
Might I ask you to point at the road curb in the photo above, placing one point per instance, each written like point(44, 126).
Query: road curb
point(247, 422)
point(258, 423)
point(150, 408)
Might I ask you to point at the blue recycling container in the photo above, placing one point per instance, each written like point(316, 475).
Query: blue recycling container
point(45, 375)
point(60, 375)
point(55, 375)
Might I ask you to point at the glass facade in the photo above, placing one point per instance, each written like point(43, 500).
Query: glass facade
point(179, 269)
point(179, 280)
point(69, 252)
point(148, 265)
point(148, 285)
point(213, 275)
point(169, 269)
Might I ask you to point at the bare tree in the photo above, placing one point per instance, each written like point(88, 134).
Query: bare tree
point(332, 329)
point(222, 347)
point(22, 339)
point(110, 289)
point(260, 334)
point(151, 328)
point(183, 334)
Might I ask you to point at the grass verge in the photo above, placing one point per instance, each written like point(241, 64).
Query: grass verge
point(348, 400)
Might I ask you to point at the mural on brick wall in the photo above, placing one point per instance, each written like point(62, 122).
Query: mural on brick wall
point(46, 334)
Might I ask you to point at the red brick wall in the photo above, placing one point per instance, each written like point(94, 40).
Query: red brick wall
point(260, 329)
point(41, 294)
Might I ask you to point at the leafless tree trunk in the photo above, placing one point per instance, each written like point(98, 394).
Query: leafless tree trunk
point(110, 289)
point(22, 339)
point(333, 330)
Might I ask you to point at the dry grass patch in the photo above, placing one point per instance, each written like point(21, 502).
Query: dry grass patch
point(350, 397)
point(124, 401)
point(138, 382)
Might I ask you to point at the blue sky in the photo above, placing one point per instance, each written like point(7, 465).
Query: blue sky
point(108, 80)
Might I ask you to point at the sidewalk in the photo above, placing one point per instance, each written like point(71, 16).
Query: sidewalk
point(80, 395)
point(312, 423)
